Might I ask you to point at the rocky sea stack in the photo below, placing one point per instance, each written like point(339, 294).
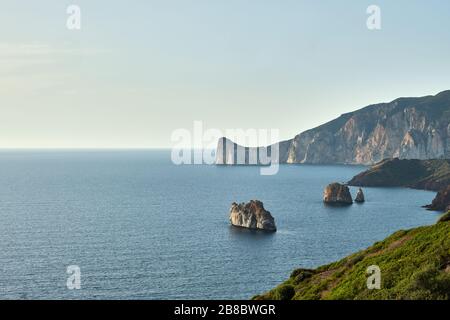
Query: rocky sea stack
point(252, 215)
point(360, 196)
point(338, 194)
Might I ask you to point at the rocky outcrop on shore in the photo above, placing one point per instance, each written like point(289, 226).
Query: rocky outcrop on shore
point(360, 196)
point(419, 174)
point(336, 193)
point(407, 128)
point(442, 201)
point(252, 215)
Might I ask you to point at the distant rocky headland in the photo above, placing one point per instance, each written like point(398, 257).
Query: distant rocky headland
point(418, 174)
point(406, 128)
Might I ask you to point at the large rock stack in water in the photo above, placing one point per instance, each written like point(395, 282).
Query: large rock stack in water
point(252, 215)
point(336, 193)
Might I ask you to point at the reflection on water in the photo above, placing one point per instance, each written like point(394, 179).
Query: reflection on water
point(239, 233)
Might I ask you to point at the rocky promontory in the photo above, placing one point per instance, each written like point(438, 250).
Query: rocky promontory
point(336, 193)
point(419, 174)
point(442, 201)
point(252, 215)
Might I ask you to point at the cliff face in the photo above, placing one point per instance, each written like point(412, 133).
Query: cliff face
point(407, 128)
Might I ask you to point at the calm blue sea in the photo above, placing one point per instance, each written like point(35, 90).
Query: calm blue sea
point(140, 227)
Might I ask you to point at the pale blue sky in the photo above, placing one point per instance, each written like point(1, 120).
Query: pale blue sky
point(137, 70)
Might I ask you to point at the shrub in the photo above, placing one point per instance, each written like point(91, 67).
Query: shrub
point(299, 275)
point(284, 292)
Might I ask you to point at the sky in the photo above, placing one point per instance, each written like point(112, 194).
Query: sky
point(137, 71)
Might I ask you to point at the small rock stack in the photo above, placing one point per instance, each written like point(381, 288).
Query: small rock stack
point(359, 196)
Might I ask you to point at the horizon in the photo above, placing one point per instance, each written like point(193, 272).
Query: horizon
point(187, 147)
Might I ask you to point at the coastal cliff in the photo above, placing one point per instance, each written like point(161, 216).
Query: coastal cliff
point(407, 128)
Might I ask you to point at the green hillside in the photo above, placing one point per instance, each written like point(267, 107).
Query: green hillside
point(414, 264)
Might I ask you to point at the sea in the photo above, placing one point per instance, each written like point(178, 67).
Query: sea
point(130, 224)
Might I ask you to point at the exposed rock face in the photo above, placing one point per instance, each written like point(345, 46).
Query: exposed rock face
point(252, 215)
point(419, 174)
point(360, 196)
point(442, 201)
point(407, 128)
point(337, 193)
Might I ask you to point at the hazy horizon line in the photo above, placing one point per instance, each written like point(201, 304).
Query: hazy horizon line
point(85, 148)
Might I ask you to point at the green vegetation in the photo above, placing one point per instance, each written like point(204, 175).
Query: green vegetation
point(415, 264)
point(284, 292)
point(419, 174)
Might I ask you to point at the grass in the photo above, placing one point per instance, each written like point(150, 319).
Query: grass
point(415, 264)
